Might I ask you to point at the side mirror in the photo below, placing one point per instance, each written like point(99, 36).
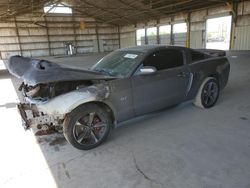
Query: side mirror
point(147, 70)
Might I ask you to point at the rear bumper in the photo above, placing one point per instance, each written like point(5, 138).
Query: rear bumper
point(225, 76)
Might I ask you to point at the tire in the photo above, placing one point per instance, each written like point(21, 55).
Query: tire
point(87, 126)
point(208, 93)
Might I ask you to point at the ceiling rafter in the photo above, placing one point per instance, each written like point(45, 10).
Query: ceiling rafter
point(136, 8)
point(20, 9)
point(159, 8)
point(84, 13)
point(108, 11)
point(115, 12)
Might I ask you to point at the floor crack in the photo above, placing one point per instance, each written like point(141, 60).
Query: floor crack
point(142, 173)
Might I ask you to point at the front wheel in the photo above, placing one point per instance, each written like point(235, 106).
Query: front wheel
point(87, 126)
point(208, 93)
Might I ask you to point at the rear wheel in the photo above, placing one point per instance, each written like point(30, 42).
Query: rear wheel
point(87, 126)
point(208, 93)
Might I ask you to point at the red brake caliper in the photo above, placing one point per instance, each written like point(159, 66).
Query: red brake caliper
point(95, 121)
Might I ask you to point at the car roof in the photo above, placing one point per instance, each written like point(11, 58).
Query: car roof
point(150, 48)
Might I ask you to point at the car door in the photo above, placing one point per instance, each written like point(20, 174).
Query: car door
point(166, 87)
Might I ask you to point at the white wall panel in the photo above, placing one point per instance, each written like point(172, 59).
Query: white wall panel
point(242, 38)
point(165, 39)
point(128, 40)
point(196, 39)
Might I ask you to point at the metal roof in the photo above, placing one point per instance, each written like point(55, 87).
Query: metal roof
point(117, 12)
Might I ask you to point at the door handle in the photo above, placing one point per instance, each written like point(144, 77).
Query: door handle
point(183, 74)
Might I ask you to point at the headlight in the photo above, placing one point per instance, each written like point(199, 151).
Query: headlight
point(31, 91)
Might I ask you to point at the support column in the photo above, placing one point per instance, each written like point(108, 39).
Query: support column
point(188, 31)
point(204, 35)
point(146, 37)
point(172, 34)
point(74, 30)
point(158, 33)
point(234, 8)
point(97, 37)
point(172, 31)
point(119, 36)
point(47, 33)
point(135, 26)
point(18, 37)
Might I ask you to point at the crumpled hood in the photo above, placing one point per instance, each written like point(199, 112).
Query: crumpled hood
point(35, 71)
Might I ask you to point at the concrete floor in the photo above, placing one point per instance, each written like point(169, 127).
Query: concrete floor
point(183, 147)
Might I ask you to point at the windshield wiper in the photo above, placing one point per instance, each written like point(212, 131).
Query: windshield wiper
point(103, 71)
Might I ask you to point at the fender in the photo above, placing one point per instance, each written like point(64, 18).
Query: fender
point(65, 103)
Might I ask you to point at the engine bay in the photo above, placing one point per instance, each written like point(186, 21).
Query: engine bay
point(43, 92)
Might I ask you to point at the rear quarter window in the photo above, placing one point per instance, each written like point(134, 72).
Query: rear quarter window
point(197, 56)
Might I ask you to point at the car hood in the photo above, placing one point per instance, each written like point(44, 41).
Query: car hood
point(35, 71)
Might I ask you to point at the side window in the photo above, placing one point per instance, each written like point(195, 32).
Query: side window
point(165, 59)
point(196, 56)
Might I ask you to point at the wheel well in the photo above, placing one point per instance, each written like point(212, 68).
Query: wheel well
point(202, 80)
point(217, 77)
point(106, 107)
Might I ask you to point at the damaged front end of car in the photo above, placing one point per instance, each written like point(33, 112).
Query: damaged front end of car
point(32, 117)
point(47, 113)
point(51, 91)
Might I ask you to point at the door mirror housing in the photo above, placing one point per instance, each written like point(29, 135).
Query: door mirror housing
point(147, 70)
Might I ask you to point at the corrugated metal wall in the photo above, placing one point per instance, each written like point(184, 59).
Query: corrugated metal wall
point(198, 27)
point(127, 39)
point(128, 36)
point(24, 38)
point(19, 36)
point(165, 39)
point(196, 39)
point(179, 39)
point(242, 38)
point(242, 30)
point(152, 39)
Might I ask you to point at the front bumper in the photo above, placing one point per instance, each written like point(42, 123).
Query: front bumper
point(32, 117)
point(25, 121)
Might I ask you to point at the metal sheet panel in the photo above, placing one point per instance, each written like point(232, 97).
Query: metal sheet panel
point(152, 39)
point(165, 39)
point(196, 39)
point(242, 38)
point(128, 40)
point(180, 39)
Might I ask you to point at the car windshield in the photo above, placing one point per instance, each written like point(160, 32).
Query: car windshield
point(118, 63)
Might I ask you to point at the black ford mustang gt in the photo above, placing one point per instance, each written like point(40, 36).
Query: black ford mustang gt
point(126, 83)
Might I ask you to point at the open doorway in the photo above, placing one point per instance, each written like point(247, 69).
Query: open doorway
point(218, 32)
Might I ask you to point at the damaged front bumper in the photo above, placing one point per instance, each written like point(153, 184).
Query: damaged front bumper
point(25, 121)
point(51, 113)
point(32, 117)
